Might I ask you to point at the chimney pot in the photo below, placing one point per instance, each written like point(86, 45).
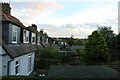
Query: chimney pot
point(6, 8)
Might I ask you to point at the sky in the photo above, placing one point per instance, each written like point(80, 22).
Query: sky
point(63, 18)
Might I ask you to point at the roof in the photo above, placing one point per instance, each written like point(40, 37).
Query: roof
point(77, 47)
point(66, 71)
point(30, 28)
point(20, 49)
point(10, 18)
point(17, 49)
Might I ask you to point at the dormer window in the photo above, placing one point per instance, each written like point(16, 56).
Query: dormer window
point(38, 39)
point(25, 36)
point(14, 34)
point(41, 39)
point(33, 38)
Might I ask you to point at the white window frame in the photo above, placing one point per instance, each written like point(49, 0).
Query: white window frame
point(14, 30)
point(25, 37)
point(33, 35)
point(46, 41)
point(29, 64)
point(38, 39)
point(17, 65)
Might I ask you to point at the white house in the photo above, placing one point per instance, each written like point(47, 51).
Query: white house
point(18, 45)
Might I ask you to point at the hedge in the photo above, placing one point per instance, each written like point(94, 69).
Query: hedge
point(32, 78)
point(21, 78)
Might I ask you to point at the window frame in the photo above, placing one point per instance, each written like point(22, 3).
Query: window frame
point(33, 36)
point(17, 66)
point(38, 39)
point(25, 37)
point(14, 29)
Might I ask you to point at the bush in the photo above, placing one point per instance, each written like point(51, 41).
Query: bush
point(67, 58)
point(21, 78)
point(43, 64)
point(50, 52)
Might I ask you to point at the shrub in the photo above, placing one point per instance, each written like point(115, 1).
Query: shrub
point(50, 52)
point(43, 64)
point(66, 58)
point(21, 78)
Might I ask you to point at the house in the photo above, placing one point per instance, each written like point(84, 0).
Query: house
point(77, 48)
point(19, 45)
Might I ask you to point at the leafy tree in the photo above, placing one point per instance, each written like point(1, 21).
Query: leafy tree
point(111, 40)
point(50, 52)
point(118, 42)
point(70, 41)
point(117, 55)
point(96, 48)
point(79, 42)
point(108, 34)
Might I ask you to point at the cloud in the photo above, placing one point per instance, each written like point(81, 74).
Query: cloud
point(79, 31)
point(29, 12)
point(81, 24)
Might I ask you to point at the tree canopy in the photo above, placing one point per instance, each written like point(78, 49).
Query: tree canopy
point(96, 48)
point(112, 41)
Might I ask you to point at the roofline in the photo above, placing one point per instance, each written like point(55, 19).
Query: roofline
point(14, 24)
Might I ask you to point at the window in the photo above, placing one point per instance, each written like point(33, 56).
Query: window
point(41, 39)
point(29, 63)
point(38, 39)
point(17, 68)
point(14, 34)
point(46, 40)
point(33, 38)
point(25, 36)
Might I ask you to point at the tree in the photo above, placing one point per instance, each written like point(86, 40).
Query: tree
point(111, 40)
point(118, 42)
point(96, 48)
point(118, 46)
point(78, 42)
point(70, 41)
point(108, 34)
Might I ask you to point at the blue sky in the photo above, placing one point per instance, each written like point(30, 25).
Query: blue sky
point(63, 18)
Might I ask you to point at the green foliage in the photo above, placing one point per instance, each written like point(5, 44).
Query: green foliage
point(107, 33)
point(21, 78)
point(118, 46)
point(28, 78)
point(70, 41)
point(112, 42)
point(43, 64)
point(66, 58)
point(79, 42)
point(118, 42)
point(96, 49)
point(50, 52)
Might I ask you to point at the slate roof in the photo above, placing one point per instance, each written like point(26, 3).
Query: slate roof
point(15, 50)
point(77, 47)
point(30, 28)
point(12, 19)
point(20, 49)
point(66, 71)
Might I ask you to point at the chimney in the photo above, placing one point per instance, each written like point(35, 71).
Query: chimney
point(45, 33)
point(41, 31)
point(34, 26)
point(6, 8)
